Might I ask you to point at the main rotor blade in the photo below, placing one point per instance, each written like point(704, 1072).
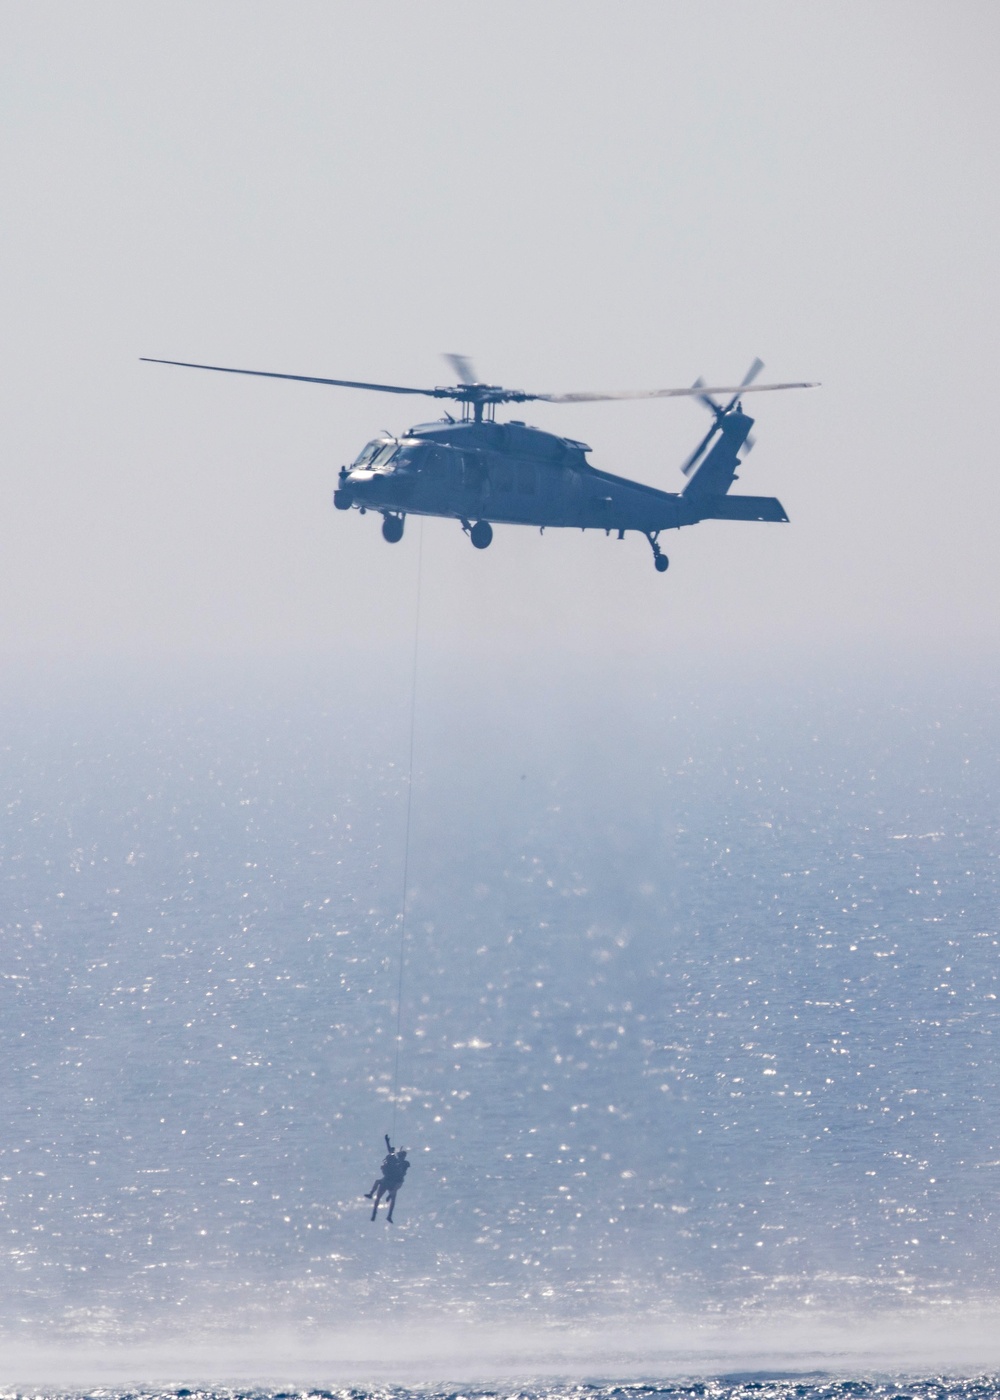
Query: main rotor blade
point(473, 392)
point(305, 378)
point(463, 367)
point(736, 389)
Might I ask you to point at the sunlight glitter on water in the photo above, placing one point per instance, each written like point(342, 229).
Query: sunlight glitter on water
point(745, 1068)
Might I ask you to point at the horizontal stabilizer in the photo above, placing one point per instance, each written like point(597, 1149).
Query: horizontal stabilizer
point(740, 508)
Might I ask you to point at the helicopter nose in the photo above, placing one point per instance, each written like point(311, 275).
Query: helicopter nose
point(368, 488)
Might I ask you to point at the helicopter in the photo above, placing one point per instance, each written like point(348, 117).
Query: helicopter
point(482, 473)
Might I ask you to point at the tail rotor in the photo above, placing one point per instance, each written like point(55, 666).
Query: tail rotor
point(719, 412)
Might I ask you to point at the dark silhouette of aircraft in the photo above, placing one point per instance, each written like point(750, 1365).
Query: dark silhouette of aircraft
point(484, 473)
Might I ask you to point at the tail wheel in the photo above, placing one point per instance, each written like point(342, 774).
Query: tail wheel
point(660, 561)
point(481, 534)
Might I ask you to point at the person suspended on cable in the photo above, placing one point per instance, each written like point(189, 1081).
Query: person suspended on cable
point(388, 1164)
point(394, 1169)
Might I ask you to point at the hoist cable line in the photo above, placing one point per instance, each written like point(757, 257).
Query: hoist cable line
point(406, 840)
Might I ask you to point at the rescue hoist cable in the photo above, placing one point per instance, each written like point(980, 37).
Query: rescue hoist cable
point(406, 840)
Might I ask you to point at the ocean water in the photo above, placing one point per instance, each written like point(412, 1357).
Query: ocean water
point(698, 1061)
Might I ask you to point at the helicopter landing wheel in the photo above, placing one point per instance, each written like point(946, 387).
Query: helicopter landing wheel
point(660, 561)
point(392, 528)
point(481, 534)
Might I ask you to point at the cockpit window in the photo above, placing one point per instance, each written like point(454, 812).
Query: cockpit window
point(367, 453)
point(387, 453)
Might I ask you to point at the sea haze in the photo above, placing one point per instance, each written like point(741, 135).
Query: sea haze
point(698, 1024)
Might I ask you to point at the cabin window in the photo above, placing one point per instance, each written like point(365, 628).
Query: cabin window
point(502, 476)
point(409, 457)
point(526, 485)
point(473, 471)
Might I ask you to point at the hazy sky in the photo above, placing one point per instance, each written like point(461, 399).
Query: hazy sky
point(579, 196)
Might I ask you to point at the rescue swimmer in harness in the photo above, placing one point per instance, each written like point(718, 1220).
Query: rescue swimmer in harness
point(394, 1168)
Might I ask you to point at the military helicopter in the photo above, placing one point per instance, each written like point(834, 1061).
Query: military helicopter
point(483, 473)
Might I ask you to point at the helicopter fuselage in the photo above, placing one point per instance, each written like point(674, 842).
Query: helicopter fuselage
point(509, 473)
point(506, 473)
point(478, 470)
